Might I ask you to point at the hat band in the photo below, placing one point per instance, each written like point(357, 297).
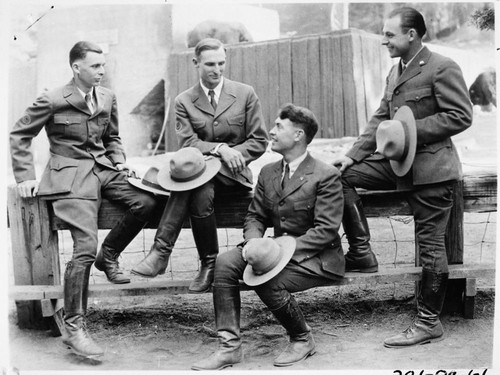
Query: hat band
point(407, 139)
point(151, 184)
point(188, 178)
point(270, 266)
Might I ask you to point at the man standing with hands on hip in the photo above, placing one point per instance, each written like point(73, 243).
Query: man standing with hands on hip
point(425, 102)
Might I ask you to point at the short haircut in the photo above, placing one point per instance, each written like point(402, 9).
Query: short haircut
point(410, 19)
point(80, 49)
point(301, 117)
point(207, 44)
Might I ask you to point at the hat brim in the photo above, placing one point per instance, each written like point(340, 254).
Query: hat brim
point(137, 182)
point(287, 243)
point(212, 163)
point(402, 167)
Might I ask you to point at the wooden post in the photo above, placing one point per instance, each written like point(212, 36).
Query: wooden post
point(35, 253)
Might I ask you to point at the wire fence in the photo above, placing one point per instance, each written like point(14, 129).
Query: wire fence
point(392, 240)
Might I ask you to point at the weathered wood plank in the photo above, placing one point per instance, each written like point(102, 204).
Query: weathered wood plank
point(479, 196)
point(169, 287)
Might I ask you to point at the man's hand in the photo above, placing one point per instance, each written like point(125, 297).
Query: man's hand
point(343, 163)
point(127, 168)
point(28, 188)
point(244, 250)
point(233, 158)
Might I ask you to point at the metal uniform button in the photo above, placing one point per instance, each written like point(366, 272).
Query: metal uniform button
point(283, 218)
point(216, 123)
point(281, 203)
point(396, 92)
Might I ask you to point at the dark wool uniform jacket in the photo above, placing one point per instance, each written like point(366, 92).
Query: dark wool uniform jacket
point(78, 140)
point(237, 121)
point(433, 87)
point(310, 209)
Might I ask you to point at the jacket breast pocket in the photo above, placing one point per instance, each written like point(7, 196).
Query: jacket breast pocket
point(421, 101)
point(236, 126)
point(304, 209)
point(200, 128)
point(68, 125)
point(59, 175)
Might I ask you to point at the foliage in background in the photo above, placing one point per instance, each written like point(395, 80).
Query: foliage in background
point(484, 19)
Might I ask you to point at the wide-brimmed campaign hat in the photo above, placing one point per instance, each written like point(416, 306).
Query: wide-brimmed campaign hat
point(187, 169)
point(149, 182)
point(266, 258)
point(397, 140)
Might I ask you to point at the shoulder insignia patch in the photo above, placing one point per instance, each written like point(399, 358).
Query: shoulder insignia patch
point(26, 119)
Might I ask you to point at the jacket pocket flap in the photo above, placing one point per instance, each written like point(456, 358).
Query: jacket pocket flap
point(198, 124)
point(416, 95)
point(60, 162)
point(103, 121)
point(238, 120)
point(434, 147)
point(66, 119)
point(305, 204)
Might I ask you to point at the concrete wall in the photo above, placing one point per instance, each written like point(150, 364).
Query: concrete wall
point(136, 40)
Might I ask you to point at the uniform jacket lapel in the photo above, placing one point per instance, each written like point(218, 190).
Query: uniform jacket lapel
point(299, 177)
point(73, 97)
point(227, 98)
point(415, 66)
point(99, 97)
point(200, 100)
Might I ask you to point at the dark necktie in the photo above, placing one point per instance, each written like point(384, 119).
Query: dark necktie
point(286, 177)
point(90, 104)
point(211, 93)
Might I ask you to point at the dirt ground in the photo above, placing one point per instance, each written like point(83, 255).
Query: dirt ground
point(349, 323)
point(169, 333)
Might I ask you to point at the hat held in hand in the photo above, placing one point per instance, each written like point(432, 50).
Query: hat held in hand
point(397, 140)
point(149, 182)
point(187, 169)
point(266, 258)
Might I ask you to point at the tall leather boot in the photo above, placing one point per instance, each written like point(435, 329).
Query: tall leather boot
point(360, 257)
point(170, 226)
point(227, 306)
point(426, 327)
point(205, 238)
point(301, 343)
point(115, 242)
point(77, 338)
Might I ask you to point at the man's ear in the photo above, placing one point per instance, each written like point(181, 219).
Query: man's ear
point(75, 67)
point(412, 34)
point(195, 62)
point(299, 134)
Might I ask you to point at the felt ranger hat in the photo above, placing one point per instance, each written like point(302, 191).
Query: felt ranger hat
point(149, 182)
point(266, 258)
point(187, 169)
point(397, 140)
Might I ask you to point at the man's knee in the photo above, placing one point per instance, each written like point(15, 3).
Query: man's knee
point(143, 206)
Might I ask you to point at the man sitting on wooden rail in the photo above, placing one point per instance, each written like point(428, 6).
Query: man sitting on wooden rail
point(218, 117)
point(301, 197)
point(424, 161)
point(87, 163)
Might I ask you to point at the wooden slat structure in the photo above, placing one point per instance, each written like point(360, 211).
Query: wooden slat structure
point(37, 275)
point(172, 287)
point(338, 75)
